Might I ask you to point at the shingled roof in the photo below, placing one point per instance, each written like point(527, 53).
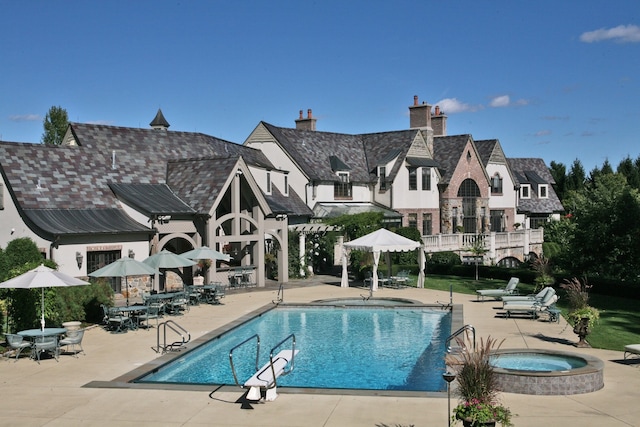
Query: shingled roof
point(157, 172)
point(535, 171)
point(320, 154)
point(447, 152)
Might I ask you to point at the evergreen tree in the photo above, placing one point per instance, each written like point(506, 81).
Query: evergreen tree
point(55, 126)
point(559, 174)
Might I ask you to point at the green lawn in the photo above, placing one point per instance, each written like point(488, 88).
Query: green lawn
point(619, 323)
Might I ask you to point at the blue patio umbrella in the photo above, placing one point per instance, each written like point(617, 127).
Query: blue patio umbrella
point(124, 267)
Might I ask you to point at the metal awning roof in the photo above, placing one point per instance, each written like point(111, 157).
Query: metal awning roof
point(152, 199)
point(59, 222)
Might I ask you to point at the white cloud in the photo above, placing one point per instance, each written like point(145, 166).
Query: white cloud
point(621, 34)
point(544, 132)
point(25, 118)
point(500, 101)
point(452, 105)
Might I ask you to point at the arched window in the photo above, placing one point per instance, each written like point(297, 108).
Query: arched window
point(469, 192)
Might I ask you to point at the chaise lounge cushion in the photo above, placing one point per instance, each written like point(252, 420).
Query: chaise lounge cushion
point(631, 349)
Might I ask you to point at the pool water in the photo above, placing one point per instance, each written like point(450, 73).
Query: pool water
point(374, 348)
point(538, 362)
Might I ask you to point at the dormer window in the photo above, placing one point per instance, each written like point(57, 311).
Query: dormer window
point(525, 191)
point(342, 188)
point(543, 191)
point(382, 177)
point(496, 184)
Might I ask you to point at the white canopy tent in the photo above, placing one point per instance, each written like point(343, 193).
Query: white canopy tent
point(377, 242)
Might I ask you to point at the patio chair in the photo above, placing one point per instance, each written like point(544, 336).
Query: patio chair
point(178, 303)
point(48, 344)
point(194, 295)
point(221, 291)
point(532, 297)
point(509, 289)
point(117, 321)
point(17, 343)
point(531, 308)
point(153, 312)
point(73, 341)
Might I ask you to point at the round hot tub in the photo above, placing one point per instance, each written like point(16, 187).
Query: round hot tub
point(547, 372)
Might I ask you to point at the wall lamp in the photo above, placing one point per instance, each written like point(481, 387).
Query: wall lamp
point(79, 259)
point(131, 253)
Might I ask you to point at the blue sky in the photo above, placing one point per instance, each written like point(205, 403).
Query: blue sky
point(558, 80)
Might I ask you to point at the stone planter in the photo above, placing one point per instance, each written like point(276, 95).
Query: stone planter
point(72, 328)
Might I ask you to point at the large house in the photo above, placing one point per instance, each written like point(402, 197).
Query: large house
point(418, 177)
point(110, 192)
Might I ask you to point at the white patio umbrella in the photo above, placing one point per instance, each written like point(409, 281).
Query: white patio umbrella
point(124, 267)
point(205, 252)
point(42, 277)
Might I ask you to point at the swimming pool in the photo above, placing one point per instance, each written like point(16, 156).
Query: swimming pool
point(366, 348)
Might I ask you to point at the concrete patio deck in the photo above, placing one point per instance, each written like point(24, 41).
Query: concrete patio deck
point(54, 393)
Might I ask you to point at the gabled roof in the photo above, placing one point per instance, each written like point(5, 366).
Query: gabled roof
point(534, 171)
point(199, 181)
point(447, 153)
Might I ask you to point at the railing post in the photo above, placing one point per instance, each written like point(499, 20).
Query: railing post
point(492, 245)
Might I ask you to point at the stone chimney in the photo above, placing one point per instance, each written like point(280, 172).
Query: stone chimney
point(439, 122)
point(159, 122)
point(306, 124)
point(419, 115)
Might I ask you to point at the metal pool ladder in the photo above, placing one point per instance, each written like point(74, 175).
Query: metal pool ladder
point(265, 378)
point(185, 337)
point(464, 329)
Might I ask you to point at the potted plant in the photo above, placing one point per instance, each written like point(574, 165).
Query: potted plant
point(477, 386)
point(581, 314)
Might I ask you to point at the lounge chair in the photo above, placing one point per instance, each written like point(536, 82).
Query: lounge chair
point(531, 308)
point(17, 343)
point(531, 298)
point(73, 341)
point(509, 289)
point(631, 349)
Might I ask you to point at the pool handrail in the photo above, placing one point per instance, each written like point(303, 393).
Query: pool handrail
point(184, 335)
point(291, 337)
point(458, 332)
point(233, 368)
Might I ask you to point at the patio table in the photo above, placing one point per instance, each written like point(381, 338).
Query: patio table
point(131, 311)
point(47, 332)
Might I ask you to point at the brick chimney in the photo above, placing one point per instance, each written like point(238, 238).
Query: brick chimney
point(439, 122)
point(419, 115)
point(306, 124)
